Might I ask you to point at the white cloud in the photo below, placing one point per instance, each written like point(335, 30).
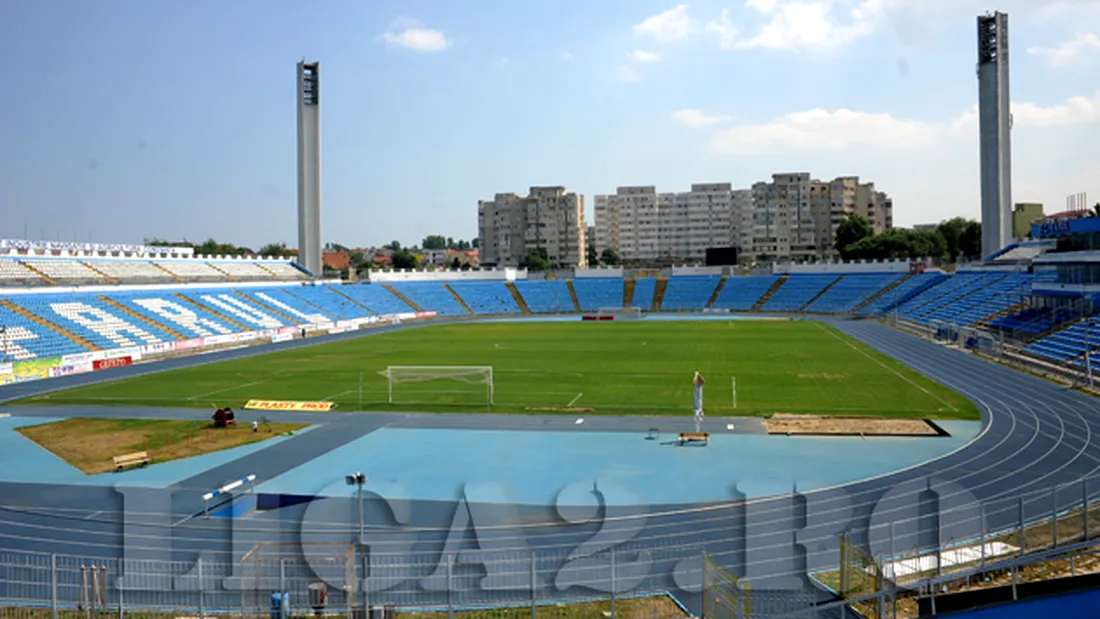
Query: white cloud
point(642, 55)
point(671, 25)
point(696, 118)
point(821, 130)
point(1069, 51)
point(801, 24)
point(627, 73)
point(409, 35)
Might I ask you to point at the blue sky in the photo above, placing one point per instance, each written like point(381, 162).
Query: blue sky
point(130, 119)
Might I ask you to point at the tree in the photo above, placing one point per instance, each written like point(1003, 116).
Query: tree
point(403, 260)
point(476, 242)
point(394, 246)
point(609, 257)
point(536, 260)
point(456, 263)
point(970, 241)
point(1095, 211)
point(590, 255)
point(355, 257)
point(952, 230)
point(434, 241)
point(850, 231)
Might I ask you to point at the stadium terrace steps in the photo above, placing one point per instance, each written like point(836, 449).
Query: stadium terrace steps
point(875, 297)
point(598, 293)
point(136, 316)
point(458, 298)
point(771, 291)
point(659, 293)
point(265, 307)
point(628, 291)
point(353, 301)
point(397, 294)
point(820, 294)
point(573, 295)
point(274, 275)
point(520, 301)
point(222, 271)
point(1012, 309)
point(717, 291)
point(301, 299)
point(38, 273)
point(110, 280)
point(169, 273)
point(29, 315)
point(209, 310)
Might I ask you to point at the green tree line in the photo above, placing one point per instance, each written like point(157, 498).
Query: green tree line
point(951, 240)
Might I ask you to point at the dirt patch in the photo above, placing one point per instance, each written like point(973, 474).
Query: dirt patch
point(562, 409)
point(848, 426)
point(91, 444)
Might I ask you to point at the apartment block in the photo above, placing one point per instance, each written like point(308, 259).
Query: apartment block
point(510, 227)
point(628, 222)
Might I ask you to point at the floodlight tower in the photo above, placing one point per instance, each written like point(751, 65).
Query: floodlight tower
point(309, 166)
point(994, 132)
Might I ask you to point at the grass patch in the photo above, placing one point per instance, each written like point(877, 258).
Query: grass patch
point(651, 607)
point(612, 368)
point(91, 444)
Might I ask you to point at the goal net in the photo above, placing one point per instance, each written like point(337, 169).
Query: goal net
point(439, 384)
point(622, 312)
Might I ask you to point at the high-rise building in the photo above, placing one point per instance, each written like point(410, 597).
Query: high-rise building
point(1023, 214)
point(510, 227)
point(994, 132)
point(309, 166)
point(628, 222)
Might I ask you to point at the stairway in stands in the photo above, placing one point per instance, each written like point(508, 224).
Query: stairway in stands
point(520, 301)
point(573, 295)
point(628, 291)
point(458, 298)
point(659, 293)
point(767, 295)
point(818, 295)
point(717, 291)
point(878, 294)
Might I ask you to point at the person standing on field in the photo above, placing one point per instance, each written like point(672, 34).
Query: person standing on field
point(698, 384)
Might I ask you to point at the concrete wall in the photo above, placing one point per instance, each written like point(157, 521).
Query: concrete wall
point(507, 274)
point(853, 266)
point(8, 292)
point(580, 273)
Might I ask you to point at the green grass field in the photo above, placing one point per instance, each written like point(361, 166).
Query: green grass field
point(613, 368)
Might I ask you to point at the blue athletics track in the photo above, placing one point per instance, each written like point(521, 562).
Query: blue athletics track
point(495, 509)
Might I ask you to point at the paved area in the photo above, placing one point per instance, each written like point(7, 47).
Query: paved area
point(1036, 437)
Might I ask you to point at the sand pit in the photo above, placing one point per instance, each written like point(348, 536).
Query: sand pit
point(790, 424)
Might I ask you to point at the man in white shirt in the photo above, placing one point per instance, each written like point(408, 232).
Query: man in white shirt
point(698, 382)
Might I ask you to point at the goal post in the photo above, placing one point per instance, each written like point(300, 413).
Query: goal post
point(468, 374)
point(627, 313)
point(733, 386)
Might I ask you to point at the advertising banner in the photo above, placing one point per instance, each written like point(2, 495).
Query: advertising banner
point(281, 337)
point(84, 357)
point(133, 352)
point(185, 344)
point(158, 348)
point(281, 405)
point(113, 362)
point(213, 340)
point(7, 368)
point(66, 369)
point(289, 330)
point(33, 369)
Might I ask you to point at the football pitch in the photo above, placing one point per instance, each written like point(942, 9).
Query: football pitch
point(634, 367)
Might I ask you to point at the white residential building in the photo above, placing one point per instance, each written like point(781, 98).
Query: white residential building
point(510, 227)
point(628, 222)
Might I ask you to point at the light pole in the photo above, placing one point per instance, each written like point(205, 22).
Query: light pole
point(357, 479)
point(1088, 346)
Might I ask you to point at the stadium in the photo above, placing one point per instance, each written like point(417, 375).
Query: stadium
point(190, 435)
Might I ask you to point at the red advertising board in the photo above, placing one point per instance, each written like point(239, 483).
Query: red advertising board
point(116, 362)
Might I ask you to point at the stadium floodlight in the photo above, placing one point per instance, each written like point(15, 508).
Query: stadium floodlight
point(469, 374)
point(358, 479)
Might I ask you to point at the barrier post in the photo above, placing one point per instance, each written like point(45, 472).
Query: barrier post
point(1021, 526)
point(534, 587)
point(202, 595)
point(450, 587)
point(1085, 508)
point(53, 586)
point(612, 583)
point(981, 523)
point(1054, 517)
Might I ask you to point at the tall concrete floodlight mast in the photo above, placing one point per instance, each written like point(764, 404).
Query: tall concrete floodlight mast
point(994, 131)
point(309, 166)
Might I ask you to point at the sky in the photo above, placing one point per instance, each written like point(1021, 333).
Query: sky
point(127, 119)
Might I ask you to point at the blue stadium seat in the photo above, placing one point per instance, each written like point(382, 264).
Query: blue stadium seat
point(594, 293)
point(305, 304)
point(25, 339)
point(431, 297)
point(740, 293)
point(486, 297)
point(545, 296)
point(796, 292)
point(850, 291)
point(162, 307)
point(689, 292)
point(911, 287)
point(644, 290)
point(382, 301)
point(92, 319)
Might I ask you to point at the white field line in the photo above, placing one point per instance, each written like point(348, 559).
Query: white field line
point(329, 397)
point(210, 393)
point(888, 368)
point(574, 400)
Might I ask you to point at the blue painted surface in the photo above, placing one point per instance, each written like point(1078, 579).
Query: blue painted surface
point(648, 317)
point(37, 465)
point(536, 466)
point(1079, 604)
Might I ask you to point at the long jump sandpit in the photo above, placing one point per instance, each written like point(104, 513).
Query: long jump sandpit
point(817, 425)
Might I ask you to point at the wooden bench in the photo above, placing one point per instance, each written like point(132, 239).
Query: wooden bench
point(139, 458)
point(687, 437)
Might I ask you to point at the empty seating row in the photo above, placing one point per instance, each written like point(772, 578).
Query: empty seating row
point(645, 288)
point(1034, 320)
point(1069, 344)
point(376, 298)
point(689, 292)
point(950, 291)
point(851, 290)
point(549, 296)
point(68, 270)
point(740, 294)
point(431, 296)
point(987, 301)
point(486, 297)
point(797, 291)
point(595, 293)
point(907, 289)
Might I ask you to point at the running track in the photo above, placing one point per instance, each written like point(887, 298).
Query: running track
point(1036, 443)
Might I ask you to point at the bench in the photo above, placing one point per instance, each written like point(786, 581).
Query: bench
point(139, 458)
point(687, 437)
